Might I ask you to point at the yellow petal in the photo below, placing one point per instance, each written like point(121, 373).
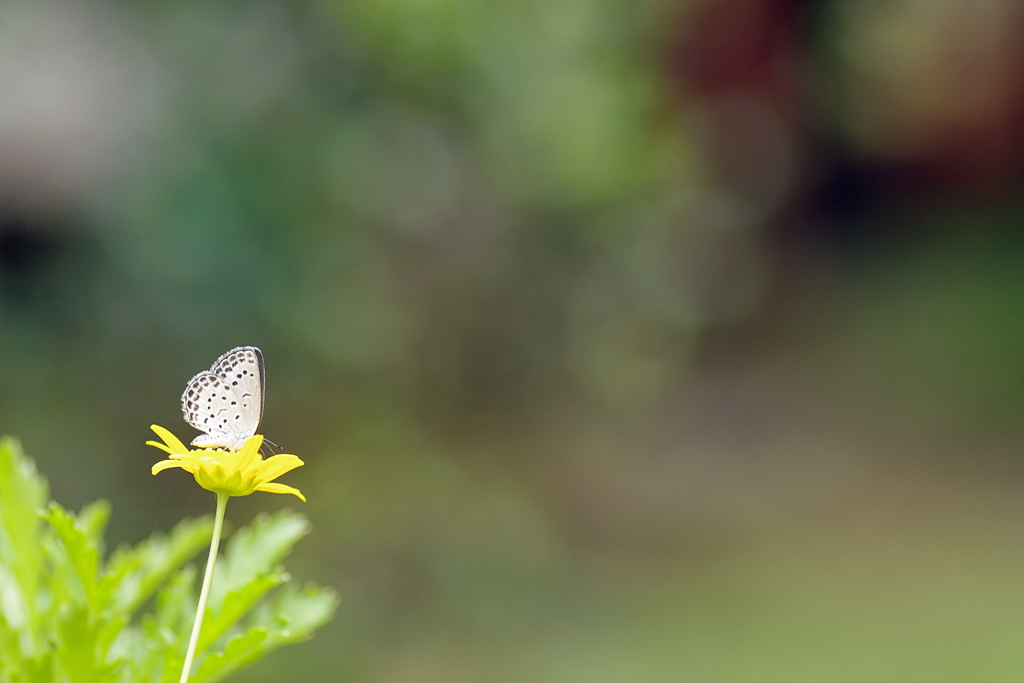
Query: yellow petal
point(250, 452)
point(189, 465)
point(281, 488)
point(171, 440)
point(165, 464)
point(274, 466)
point(161, 446)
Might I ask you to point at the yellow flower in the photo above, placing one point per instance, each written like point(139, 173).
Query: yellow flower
point(233, 473)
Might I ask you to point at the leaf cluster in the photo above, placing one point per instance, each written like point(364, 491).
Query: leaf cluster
point(68, 615)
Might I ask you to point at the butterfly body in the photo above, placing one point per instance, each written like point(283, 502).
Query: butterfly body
point(226, 401)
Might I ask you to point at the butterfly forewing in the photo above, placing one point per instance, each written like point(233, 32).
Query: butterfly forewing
point(226, 402)
point(242, 368)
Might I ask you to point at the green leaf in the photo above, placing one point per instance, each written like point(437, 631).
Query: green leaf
point(297, 612)
point(36, 670)
point(79, 651)
point(22, 493)
point(238, 652)
point(158, 647)
point(150, 654)
point(82, 551)
point(235, 605)
point(290, 616)
point(12, 649)
point(133, 574)
point(92, 521)
point(14, 604)
point(60, 583)
point(176, 606)
point(255, 550)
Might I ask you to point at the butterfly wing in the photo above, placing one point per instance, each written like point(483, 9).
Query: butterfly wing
point(226, 402)
point(242, 368)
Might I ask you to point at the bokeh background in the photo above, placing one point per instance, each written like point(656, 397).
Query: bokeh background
point(659, 340)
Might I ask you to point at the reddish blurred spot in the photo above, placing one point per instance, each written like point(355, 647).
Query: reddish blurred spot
point(737, 43)
point(762, 49)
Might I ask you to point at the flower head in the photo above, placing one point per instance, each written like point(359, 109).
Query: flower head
point(234, 473)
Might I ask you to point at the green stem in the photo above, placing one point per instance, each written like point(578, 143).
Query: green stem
point(218, 522)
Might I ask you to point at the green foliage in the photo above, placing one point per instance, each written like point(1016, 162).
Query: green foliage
point(67, 615)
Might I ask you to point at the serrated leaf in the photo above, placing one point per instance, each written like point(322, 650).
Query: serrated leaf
point(292, 614)
point(82, 551)
point(92, 521)
point(133, 574)
point(238, 652)
point(152, 657)
point(163, 635)
point(307, 609)
point(255, 550)
point(22, 493)
point(78, 650)
point(295, 614)
point(108, 628)
point(37, 669)
point(175, 604)
point(14, 605)
point(234, 606)
point(11, 649)
point(61, 584)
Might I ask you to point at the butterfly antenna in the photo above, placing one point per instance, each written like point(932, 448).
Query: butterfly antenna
point(272, 447)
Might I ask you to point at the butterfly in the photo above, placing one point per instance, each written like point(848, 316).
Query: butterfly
point(226, 401)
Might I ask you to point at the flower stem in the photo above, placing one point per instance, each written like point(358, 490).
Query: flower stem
point(218, 522)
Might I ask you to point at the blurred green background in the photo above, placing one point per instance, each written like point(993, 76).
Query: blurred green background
point(623, 341)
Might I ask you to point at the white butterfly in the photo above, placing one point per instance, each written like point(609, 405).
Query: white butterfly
point(226, 402)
